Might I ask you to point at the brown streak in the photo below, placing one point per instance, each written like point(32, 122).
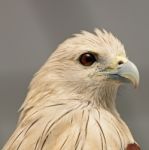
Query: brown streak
point(56, 121)
point(82, 114)
point(45, 129)
point(61, 117)
point(26, 133)
point(16, 138)
point(86, 126)
point(102, 134)
point(37, 144)
point(55, 105)
point(100, 128)
point(117, 131)
point(44, 142)
point(64, 143)
point(71, 120)
point(77, 143)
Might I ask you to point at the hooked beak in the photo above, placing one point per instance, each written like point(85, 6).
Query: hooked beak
point(126, 72)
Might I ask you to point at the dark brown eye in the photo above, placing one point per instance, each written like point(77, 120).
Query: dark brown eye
point(87, 59)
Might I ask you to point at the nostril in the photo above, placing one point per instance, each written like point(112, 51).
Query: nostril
point(120, 62)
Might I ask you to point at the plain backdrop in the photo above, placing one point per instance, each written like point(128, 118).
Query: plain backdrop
point(31, 29)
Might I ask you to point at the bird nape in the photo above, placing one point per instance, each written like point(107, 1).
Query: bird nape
point(71, 100)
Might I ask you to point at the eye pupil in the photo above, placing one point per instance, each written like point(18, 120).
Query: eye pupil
point(87, 59)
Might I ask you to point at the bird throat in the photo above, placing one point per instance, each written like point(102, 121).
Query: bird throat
point(102, 95)
point(105, 97)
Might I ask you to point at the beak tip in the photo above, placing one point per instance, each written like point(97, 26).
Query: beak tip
point(136, 84)
point(130, 71)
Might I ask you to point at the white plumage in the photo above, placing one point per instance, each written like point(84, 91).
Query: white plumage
point(71, 101)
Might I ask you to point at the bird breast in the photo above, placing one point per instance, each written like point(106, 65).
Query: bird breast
point(70, 126)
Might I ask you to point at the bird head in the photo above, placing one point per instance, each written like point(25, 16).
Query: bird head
point(89, 64)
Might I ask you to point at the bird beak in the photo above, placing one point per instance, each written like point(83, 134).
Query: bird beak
point(126, 72)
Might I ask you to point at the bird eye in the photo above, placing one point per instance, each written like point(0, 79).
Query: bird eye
point(87, 59)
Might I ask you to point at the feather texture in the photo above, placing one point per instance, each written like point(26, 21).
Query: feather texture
point(73, 126)
point(68, 107)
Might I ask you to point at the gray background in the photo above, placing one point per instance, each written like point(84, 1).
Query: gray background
point(31, 29)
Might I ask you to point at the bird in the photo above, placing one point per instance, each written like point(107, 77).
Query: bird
point(71, 101)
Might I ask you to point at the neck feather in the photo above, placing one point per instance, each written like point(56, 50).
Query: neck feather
point(101, 96)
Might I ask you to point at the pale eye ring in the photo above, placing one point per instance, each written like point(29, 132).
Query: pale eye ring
point(87, 59)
